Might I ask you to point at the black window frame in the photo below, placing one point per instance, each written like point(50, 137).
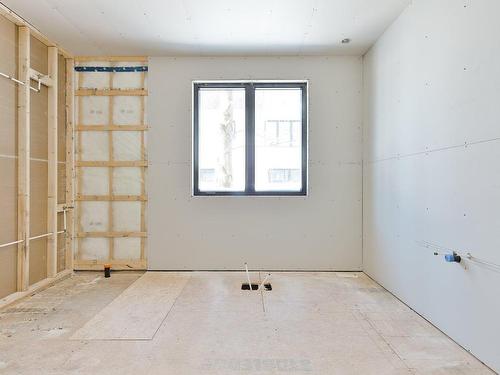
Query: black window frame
point(250, 87)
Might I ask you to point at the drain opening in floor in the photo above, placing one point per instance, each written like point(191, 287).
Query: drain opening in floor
point(245, 286)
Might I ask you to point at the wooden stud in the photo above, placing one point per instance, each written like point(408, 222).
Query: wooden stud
point(78, 173)
point(100, 128)
point(23, 174)
point(143, 172)
point(70, 161)
point(143, 59)
point(110, 169)
point(118, 265)
point(44, 79)
point(105, 198)
point(110, 234)
point(52, 165)
point(113, 163)
point(110, 92)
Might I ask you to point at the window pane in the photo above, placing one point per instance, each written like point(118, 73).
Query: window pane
point(221, 125)
point(278, 139)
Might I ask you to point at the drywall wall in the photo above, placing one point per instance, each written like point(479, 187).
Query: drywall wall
point(319, 232)
point(8, 162)
point(432, 146)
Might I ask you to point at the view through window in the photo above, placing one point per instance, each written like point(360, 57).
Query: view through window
point(250, 138)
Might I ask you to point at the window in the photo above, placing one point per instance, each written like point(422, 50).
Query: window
point(250, 138)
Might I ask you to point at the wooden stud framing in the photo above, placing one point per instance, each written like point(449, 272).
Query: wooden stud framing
point(25, 73)
point(110, 170)
point(70, 162)
point(105, 198)
point(118, 264)
point(23, 183)
point(78, 174)
point(110, 234)
point(111, 91)
point(143, 170)
point(44, 80)
point(52, 165)
point(142, 59)
point(101, 128)
point(112, 163)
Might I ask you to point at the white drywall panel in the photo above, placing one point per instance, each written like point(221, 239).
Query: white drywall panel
point(432, 145)
point(319, 232)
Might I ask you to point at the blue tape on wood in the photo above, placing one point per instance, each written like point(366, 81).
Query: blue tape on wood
point(116, 69)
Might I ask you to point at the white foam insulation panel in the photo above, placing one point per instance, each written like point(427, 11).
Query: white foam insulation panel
point(111, 163)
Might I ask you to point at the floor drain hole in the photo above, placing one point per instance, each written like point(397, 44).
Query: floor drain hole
point(267, 286)
point(245, 286)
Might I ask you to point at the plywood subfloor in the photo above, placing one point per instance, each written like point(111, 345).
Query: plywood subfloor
point(310, 323)
point(138, 312)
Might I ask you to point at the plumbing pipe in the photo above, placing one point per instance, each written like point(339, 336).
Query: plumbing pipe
point(11, 243)
point(41, 236)
point(248, 276)
point(22, 83)
point(457, 257)
point(264, 281)
point(64, 217)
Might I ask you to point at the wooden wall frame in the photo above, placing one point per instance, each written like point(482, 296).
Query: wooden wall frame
point(25, 74)
point(110, 128)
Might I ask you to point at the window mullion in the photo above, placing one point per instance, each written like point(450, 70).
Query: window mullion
point(250, 137)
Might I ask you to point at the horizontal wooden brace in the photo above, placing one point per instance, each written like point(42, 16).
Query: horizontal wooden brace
point(114, 163)
point(117, 265)
point(43, 78)
point(112, 58)
point(110, 234)
point(99, 198)
point(100, 128)
point(113, 92)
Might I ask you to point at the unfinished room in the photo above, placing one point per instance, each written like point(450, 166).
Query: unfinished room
point(222, 187)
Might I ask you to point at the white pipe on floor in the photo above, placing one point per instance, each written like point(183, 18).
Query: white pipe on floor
point(248, 276)
point(264, 281)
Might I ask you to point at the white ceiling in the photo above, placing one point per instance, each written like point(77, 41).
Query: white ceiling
point(210, 27)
